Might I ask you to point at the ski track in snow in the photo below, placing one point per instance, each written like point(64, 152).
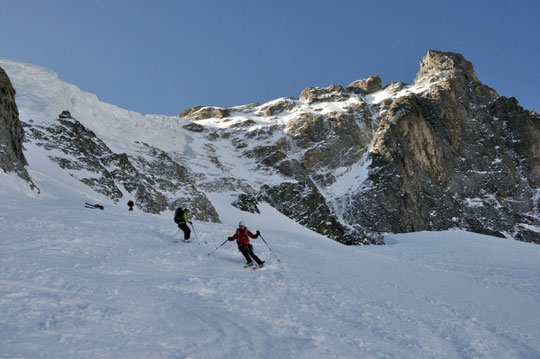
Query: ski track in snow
point(85, 283)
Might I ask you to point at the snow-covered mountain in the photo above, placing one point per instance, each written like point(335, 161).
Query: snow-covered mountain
point(349, 163)
point(90, 283)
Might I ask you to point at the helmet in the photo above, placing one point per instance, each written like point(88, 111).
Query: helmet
point(241, 224)
point(187, 210)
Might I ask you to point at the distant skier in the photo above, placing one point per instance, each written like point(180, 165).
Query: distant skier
point(181, 218)
point(130, 205)
point(242, 239)
point(94, 206)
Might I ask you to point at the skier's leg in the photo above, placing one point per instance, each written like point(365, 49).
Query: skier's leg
point(250, 252)
point(185, 228)
point(245, 251)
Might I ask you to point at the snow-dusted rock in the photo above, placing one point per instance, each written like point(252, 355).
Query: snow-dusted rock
point(204, 112)
point(367, 86)
point(320, 94)
point(148, 175)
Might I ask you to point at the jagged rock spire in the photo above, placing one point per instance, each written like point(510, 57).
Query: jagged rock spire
point(445, 64)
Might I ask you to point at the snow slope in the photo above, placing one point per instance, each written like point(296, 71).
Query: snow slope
point(86, 283)
point(42, 95)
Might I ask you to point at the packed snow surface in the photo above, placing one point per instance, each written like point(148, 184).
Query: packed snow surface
point(86, 283)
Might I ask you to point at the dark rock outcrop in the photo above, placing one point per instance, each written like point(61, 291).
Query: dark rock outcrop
point(11, 132)
point(246, 203)
point(65, 114)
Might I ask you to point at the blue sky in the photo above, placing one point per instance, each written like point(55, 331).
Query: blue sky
point(165, 56)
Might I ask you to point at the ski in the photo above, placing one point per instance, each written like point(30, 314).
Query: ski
point(190, 241)
point(93, 206)
point(252, 267)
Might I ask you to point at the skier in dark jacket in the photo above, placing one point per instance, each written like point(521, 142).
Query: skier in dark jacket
point(242, 239)
point(181, 218)
point(130, 205)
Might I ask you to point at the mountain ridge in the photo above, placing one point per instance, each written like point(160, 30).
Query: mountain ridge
point(348, 162)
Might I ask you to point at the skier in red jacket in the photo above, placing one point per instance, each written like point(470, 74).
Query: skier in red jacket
point(242, 238)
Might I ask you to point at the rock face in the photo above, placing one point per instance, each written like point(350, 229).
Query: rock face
point(11, 131)
point(147, 174)
point(456, 155)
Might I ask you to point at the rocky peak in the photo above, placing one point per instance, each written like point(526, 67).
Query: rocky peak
point(454, 154)
point(323, 94)
point(65, 114)
point(277, 107)
point(367, 86)
point(204, 112)
point(454, 86)
point(445, 65)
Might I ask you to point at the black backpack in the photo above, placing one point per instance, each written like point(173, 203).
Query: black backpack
point(178, 215)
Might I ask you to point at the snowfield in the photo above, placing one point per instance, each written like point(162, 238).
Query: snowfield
point(85, 283)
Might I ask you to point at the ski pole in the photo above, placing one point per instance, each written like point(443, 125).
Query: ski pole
point(218, 247)
point(195, 233)
point(269, 247)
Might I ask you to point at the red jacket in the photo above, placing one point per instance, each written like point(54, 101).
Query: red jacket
point(241, 236)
